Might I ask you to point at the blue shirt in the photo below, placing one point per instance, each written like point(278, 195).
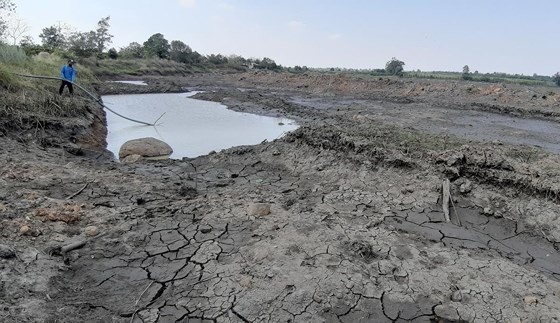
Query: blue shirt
point(68, 73)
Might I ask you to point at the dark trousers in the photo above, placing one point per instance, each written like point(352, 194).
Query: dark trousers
point(68, 84)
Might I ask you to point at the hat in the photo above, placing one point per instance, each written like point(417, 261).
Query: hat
point(71, 61)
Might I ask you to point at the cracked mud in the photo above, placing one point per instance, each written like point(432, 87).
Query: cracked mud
point(354, 231)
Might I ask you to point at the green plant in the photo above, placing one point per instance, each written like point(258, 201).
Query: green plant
point(394, 67)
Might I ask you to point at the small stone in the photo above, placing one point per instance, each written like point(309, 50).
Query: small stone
point(70, 165)
point(457, 296)
point(246, 282)
point(2, 207)
point(91, 231)
point(487, 211)
point(6, 252)
point(466, 187)
point(25, 230)
point(206, 230)
point(270, 275)
point(529, 300)
point(258, 209)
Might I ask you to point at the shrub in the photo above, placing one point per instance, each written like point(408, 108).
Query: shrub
point(12, 55)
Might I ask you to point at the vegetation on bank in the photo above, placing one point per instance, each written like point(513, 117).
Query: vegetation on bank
point(31, 104)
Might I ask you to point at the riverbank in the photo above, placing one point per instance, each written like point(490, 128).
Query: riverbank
point(338, 221)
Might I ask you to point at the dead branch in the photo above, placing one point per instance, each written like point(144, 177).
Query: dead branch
point(445, 200)
point(79, 191)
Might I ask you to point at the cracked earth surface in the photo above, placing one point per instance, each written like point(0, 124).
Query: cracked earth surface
point(355, 233)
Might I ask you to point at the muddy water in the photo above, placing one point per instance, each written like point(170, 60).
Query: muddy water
point(191, 127)
point(132, 82)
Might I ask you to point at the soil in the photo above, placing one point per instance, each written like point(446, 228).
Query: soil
point(339, 221)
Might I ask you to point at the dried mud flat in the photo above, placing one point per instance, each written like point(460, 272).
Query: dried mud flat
point(339, 221)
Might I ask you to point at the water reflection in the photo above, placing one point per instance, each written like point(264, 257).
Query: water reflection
point(191, 127)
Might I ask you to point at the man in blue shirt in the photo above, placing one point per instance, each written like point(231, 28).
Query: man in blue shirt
point(68, 74)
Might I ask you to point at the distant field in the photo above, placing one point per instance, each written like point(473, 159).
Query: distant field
point(475, 77)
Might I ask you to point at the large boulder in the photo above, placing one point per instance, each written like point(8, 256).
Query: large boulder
point(150, 148)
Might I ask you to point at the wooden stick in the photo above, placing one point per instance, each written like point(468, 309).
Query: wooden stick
point(80, 191)
point(73, 246)
point(138, 300)
point(446, 198)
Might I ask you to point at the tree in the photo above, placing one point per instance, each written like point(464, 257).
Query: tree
point(180, 52)
point(8, 6)
point(83, 44)
point(102, 36)
point(133, 50)
point(15, 29)
point(466, 73)
point(113, 53)
point(556, 78)
point(157, 46)
point(394, 67)
point(53, 38)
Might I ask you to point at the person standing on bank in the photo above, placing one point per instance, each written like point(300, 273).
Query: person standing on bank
point(68, 74)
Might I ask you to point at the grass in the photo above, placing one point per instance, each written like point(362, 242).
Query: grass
point(139, 67)
point(24, 102)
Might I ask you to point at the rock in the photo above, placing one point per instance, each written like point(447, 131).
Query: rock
point(258, 209)
point(457, 296)
point(25, 230)
point(91, 231)
point(43, 55)
point(487, 211)
point(131, 159)
point(145, 147)
point(6, 252)
point(466, 187)
point(530, 300)
point(246, 281)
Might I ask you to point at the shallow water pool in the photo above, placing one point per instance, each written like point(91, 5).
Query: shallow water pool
point(191, 127)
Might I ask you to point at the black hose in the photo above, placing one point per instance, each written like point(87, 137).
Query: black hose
point(98, 100)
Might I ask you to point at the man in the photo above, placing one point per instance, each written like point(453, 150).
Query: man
point(68, 74)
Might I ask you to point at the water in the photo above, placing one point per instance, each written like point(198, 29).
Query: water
point(191, 127)
point(132, 82)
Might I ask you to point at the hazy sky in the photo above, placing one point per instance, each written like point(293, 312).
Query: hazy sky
point(516, 36)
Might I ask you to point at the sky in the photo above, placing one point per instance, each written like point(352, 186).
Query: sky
point(513, 36)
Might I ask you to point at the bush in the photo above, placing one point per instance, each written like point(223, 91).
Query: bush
point(556, 78)
point(12, 55)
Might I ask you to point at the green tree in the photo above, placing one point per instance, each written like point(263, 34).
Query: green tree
point(394, 67)
point(157, 46)
point(83, 44)
point(53, 38)
point(102, 36)
point(466, 73)
point(556, 78)
point(180, 52)
point(133, 50)
point(113, 53)
point(6, 6)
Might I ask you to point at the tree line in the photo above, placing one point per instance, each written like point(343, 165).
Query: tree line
point(62, 40)
point(95, 43)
